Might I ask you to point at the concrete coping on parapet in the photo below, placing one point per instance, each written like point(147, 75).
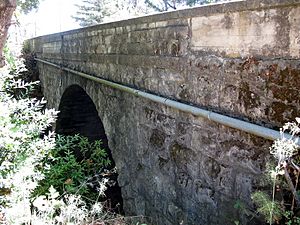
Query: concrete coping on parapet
point(204, 10)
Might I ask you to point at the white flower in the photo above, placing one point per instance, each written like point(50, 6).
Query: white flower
point(283, 149)
point(97, 208)
point(60, 219)
point(53, 194)
point(41, 203)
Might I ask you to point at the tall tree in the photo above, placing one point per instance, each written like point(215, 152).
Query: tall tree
point(163, 5)
point(27, 5)
point(166, 5)
point(92, 12)
point(7, 8)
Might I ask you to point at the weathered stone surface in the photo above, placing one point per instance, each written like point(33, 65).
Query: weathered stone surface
point(240, 59)
point(237, 34)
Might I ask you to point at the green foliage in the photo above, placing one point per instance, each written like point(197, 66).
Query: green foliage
point(28, 5)
point(10, 60)
point(92, 12)
point(73, 163)
point(291, 219)
point(270, 209)
point(165, 5)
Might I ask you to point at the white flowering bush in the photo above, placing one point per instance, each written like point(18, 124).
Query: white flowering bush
point(23, 144)
point(52, 209)
point(286, 147)
point(285, 178)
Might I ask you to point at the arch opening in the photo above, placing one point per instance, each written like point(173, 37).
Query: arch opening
point(78, 115)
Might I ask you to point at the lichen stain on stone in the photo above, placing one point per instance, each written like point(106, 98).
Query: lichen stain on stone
point(285, 94)
point(288, 77)
point(164, 119)
point(174, 49)
point(184, 179)
point(149, 113)
point(227, 22)
point(295, 77)
point(162, 162)
point(139, 167)
point(157, 138)
point(258, 141)
point(213, 167)
point(270, 74)
point(250, 61)
point(182, 128)
point(228, 144)
point(282, 113)
point(184, 94)
point(180, 154)
point(247, 98)
point(284, 74)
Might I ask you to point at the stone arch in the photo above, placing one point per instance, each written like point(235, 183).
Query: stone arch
point(78, 115)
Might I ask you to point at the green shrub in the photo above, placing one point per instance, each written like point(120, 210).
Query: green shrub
point(270, 209)
point(73, 166)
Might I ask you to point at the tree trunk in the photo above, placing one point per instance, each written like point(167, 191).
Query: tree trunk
point(7, 7)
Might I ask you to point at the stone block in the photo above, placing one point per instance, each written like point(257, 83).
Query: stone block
point(238, 34)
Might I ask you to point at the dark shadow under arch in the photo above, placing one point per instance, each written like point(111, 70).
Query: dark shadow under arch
point(78, 115)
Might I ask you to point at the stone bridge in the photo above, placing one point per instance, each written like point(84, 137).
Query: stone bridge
point(239, 59)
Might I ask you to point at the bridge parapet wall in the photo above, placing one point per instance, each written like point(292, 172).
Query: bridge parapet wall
point(240, 59)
